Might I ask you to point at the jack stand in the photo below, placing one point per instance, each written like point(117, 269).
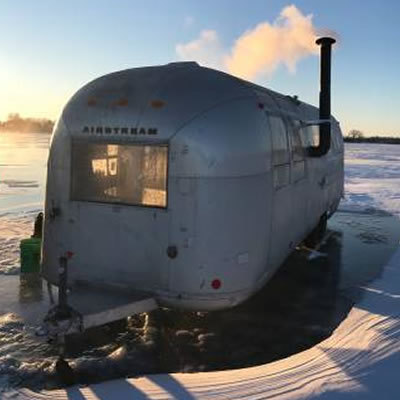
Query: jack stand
point(50, 293)
point(61, 318)
point(64, 371)
point(63, 285)
point(58, 322)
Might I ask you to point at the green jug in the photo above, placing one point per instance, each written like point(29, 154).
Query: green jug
point(30, 254)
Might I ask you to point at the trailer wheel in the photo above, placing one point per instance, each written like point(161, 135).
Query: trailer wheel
point(317, 233)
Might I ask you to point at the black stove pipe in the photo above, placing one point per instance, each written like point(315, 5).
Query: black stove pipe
point(325, 96)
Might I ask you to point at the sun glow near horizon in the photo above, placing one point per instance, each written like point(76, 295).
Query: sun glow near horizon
point(29, 97)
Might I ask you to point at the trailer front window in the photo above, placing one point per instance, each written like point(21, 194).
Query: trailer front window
point(132, 174)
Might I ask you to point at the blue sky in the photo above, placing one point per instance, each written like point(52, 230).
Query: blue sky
point(50, 49)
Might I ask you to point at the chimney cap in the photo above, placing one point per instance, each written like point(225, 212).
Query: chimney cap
point(325, 40)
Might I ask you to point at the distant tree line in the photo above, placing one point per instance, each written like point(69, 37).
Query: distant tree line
point(15, 123)
point(356, 136)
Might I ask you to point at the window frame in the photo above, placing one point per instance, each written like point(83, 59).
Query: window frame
point(287, 151)
point(296, 158)
point(104, 142)
point(277, 167)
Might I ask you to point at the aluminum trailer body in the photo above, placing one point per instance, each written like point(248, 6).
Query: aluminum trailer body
point(184, 182)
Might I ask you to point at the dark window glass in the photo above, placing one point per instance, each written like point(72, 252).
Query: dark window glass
point(113, 173)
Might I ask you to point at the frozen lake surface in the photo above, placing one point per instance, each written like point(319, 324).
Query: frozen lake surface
point(301, 306)
point(23, 159)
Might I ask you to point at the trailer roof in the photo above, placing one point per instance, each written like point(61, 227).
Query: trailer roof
point(153, 103)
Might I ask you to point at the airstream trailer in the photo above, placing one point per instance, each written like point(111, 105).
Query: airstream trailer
point(186, 184)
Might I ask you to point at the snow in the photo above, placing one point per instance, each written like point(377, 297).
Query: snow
point(361, 359)
point(372, 177)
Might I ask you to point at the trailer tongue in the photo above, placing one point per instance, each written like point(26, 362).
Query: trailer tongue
point(90, 305)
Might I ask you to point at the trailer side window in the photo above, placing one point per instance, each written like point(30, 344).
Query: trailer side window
point(280, 152)
point(298, 167)
point(310, 136)
point(113, 173)
point(280, 149)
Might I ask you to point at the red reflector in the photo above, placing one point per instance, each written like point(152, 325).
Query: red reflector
point(216, 284)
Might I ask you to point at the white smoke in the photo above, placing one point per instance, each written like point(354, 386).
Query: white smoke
point(260, 50)
point(207, 50)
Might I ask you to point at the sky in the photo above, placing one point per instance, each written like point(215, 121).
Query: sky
point(48, 49)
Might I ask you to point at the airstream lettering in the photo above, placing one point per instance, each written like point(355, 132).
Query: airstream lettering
point(117, 130)
point(199, 212)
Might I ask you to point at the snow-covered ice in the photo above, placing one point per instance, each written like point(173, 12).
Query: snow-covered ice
point(372, 177)
point(361, 359)
point(13, 228)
